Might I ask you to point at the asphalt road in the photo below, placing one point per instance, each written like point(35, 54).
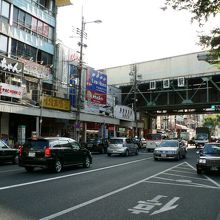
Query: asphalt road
point(113, 188)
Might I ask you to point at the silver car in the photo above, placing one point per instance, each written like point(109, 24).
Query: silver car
point(122, 145)
point(170, 149)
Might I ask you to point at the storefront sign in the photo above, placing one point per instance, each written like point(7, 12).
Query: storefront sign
point(37, 70)
point(10, 65)
point(96, 86)
point(10, 91)
point(55, 103)
point(124, 113)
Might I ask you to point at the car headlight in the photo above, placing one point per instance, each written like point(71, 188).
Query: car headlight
point(156, 151)
point(202, 160)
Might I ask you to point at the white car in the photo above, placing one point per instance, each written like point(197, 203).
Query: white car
point(153, 141)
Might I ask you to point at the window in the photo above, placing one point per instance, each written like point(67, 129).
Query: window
point(5, 10)
point(3, 43)
point(75, 145)
point(166, 83)
point(181, 82)
point(21, 19)
point(40, 27)
point(15, 16)
point(152, 84)
point(34, 24)
point(28, 20)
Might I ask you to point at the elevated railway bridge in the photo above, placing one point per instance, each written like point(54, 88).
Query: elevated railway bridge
point(185, 84)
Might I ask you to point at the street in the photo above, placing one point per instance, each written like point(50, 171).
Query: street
point(116, 187)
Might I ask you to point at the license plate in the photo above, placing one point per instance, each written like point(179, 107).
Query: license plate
point(31, 154)
point(163, 155)
point(214, 168)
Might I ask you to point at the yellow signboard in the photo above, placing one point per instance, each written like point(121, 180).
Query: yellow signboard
point(55, 103)
point(60, 3)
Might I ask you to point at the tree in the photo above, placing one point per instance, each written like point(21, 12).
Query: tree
point(201, 11)
point(211, 121)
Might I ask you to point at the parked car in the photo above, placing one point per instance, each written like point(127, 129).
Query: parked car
point(122, 145)
point(209, 158)
point(97, 145)
point(7, 154)
point(152, 141)
point(53, 153)
point(170, 149)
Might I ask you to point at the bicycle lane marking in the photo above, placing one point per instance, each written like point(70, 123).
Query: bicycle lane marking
point(65, 211)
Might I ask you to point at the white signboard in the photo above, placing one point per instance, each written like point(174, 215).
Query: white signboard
point(10, 91)
point(124, 113)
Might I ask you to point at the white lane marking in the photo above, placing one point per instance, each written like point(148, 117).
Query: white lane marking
point(181, 171)
point(190, 177)
point(180, 180)
point(213, 181)
point(70, 175)
point(179, 184)
point(65, 211)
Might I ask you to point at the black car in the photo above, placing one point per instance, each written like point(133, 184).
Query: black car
point(7, 154)
point(209, 158)
point(99, 145)
point(53, 153)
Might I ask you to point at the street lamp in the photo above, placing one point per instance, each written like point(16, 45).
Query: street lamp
point(80, 68)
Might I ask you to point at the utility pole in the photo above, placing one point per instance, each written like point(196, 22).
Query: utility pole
point(82, 34)
point(135, 100)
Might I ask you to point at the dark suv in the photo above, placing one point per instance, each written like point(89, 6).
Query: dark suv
point(53, 153)
point(99, 145)
point(209, 158)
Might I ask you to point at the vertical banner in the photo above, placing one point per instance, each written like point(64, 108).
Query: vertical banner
point(96, 87)
point(72, 87)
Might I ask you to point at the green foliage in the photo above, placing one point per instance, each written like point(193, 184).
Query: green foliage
point(211, 121)
point(201, 11)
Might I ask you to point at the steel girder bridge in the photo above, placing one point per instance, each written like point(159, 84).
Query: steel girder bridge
point(183, 95)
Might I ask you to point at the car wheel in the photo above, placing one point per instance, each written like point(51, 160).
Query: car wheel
point(199, 171)
point(29, 169)
point(58, 166)
point(86, 163)
point(109, 154)
point(126, 153)
point(178, 157)
point(155, 158)
point(14, 160)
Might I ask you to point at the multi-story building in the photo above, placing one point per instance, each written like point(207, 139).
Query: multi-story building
point(34, 93)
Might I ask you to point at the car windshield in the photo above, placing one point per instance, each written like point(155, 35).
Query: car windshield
point(153, 137)
point(116, 141)
point(3, 145)
point(36, 144)
point(202, 136)
point(169, 144)
point(212, 149)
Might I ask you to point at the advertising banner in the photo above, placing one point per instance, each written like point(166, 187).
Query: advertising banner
point(10, 91)
point(96, 87)
point(124, 113)
point(55, 103)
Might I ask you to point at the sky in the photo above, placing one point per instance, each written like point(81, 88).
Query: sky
point(131, 31)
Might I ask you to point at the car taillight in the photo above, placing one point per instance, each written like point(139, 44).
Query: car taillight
point(47, 152)
point(20, 151)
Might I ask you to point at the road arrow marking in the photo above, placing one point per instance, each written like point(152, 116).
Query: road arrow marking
point(167, 207)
